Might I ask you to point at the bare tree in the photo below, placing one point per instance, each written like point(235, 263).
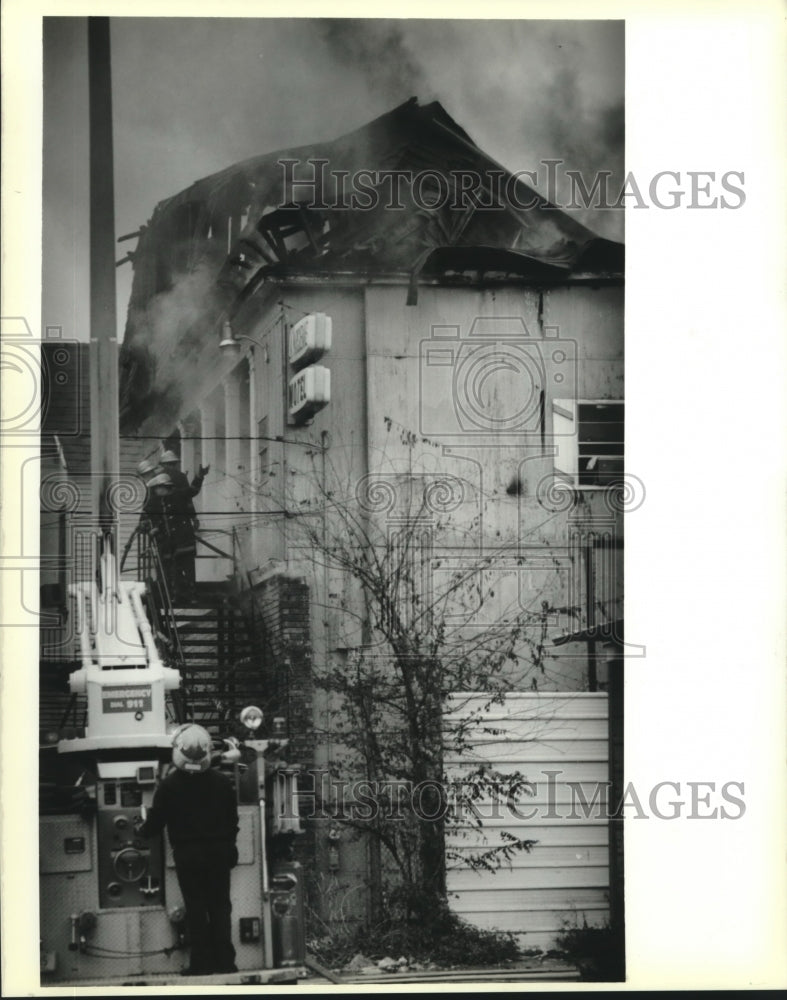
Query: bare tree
point(430, 622)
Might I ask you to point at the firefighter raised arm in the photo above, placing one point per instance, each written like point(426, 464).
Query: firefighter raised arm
point(170, 462)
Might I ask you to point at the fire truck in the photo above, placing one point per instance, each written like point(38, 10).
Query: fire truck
point(111, 912)
point(110, 906)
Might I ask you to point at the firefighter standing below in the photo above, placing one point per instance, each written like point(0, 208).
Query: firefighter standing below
point(199, 808)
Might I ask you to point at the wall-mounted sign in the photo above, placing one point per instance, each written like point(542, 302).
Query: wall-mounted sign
point(308, 392)
point(309, 339)
point(134, 698)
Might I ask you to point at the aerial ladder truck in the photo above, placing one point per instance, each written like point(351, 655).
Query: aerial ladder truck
point(111, 912)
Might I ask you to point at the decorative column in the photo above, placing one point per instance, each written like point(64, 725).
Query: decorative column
point(232, 432)
point(254, 457)
point(208, 419)
point(186, 447)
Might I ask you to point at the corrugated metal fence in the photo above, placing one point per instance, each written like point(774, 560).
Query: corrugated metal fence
point(558, 742)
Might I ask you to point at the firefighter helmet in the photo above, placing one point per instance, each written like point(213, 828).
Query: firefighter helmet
point(169, 457)
point(191, 746)
point(162, 479)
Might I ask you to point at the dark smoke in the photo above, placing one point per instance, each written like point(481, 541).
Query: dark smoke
point(378, 50)
point(524, 90)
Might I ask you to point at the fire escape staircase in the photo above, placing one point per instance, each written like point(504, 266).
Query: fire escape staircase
point(210, 640)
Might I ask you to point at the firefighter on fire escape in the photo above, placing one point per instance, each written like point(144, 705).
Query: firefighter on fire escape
point(172, 522)
point(187, 490)
point(167, 510)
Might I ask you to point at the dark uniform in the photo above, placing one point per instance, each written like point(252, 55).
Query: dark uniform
point(158, 518)
point(146, 471)
point(200, 813)
point(173, 533)
point(181, 523)
point(182, 485)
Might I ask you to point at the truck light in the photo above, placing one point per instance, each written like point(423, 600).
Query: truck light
point(251, 717)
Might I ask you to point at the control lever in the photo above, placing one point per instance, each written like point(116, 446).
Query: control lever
point(149, 886)
point(231, 752)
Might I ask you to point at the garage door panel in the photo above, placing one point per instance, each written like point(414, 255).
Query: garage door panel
point(528, 705)
point(562, 834)
point(533, 878)
point(553, 751)
point(539, 857)
point(537, 729)
point(537, 921)
point(569, 770)
point(570, 900)
point(560, 744)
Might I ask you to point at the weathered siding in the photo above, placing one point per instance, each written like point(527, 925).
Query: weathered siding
point(558, 742)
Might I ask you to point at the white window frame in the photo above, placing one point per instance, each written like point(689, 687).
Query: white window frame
point(565, 431)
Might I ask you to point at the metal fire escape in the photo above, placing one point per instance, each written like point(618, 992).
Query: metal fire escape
point(209, 639)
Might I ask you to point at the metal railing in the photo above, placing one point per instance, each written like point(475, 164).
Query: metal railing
point(200, 539)
point(150, 569)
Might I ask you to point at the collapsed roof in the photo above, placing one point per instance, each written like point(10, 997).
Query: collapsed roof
point(208, 248)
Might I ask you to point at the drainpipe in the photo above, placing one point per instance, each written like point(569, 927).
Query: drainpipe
point(104, 433)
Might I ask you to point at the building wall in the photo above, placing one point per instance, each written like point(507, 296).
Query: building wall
point(463, 421)
point(459, 428)
point(390, 419)
point(394, 416)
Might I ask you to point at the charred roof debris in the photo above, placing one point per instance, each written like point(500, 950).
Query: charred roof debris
point(407, 197)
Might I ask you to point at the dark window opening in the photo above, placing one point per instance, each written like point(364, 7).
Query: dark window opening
point(600, 444)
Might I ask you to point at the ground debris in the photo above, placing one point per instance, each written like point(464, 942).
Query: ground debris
point(359, 963)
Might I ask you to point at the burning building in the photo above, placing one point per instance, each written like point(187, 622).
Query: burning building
point(390, 333)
